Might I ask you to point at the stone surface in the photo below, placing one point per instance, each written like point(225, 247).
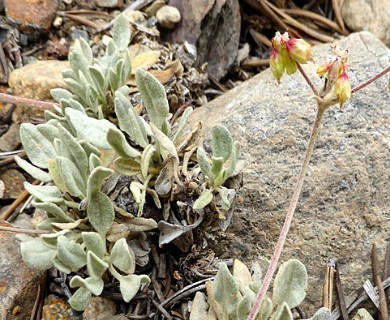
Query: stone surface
point(56, 308)
point(213, 26)
point(36, 79)
point(168, 16)
point(100, 309)
point(345, 203)
point(368, 15)
point(32, 14)
point(10, 140)
point(18, 283)
point(13, 180)
point(109, 3)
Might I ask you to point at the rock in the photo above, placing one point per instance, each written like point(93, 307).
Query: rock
point(100, 309)
point(168, 16)
point(13, 181)
point(32, 14)
point(10, 140)
point(109, 3)
point(154, 6)
point(214, 27)
point(373, 16)
point(344, 206)
point(18, 283)
point(57, 309)
point(35, 80)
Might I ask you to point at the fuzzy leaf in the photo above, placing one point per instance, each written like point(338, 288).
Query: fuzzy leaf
point(290, 284)
point(78, 62)
point(95, 285)
point(283, 312)
point(37, 255)
point(216, 170)
point(121, 32)
point(129, 285)
point(51, 239)
point(362, 314)
point(53, 211)
point(59, 94)
point(100, 212)
point(95, 266)
point(204, 199)
point(56, 175)
point(182, 123)
point(81, 299)
point(97, 78)
point(221, 143)
point(169, 231)
point(122, 256)
point(118, 142)
point(203, 162)
point(324, 314)
point(86, 50)
point(242, 275)
point(93, 162)
point(233, 159)
point(44, 193)
point(199, 308)
point(154, 99)
point(96, 178)
point(38, 148)
point(94, 242)
point(49, 129)
point(72, 178)
point(129, 121)
point(225, 291)
point(165, 142)
point(146, 158)
point(136, 190)
point(245, 305)
point(35, 172)
point(90, 129)
point(71, 253)
point(265, 309)
point(127, 167)
point(61, 266)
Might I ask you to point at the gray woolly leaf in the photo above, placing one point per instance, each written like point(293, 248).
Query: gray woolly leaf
point(169, 232)
point(136, 189)
point(78, 63)
point(225, 291)
point(71, 253)
point(61, 266)
point(154, 99)
point(245, 305)
point(94, 162)
point(81, 299)
point(216, 170)
point(95, 285)
point(122, 256)
point(77, 89)
point(182, 123)
point(233, 159)
point(290, 284)
point(265, 308)
point(146, 158)
point(203, 162)
point(45, 193)
point(118, 142)
point(37, 255)
point(59, 94)
point(129, 121)
point(89, 148)
point(38, 148)
point(242, 275)
point(165, 143)
point(96, 178)
point(127, 167)
point(72, 178)
point(121, 32)
point(86, 50)
point(113, 79)
point(53, 211)
point(98, 79)
point(221, 143)
point(35, 172)
point(74, 104)
point(204, 199)
point(49, 131)
point(51, 239)
point(283, 312)
point(94, 242)
point(325, 314)
point(200, 307)
point(95, 265)
point(129, 285)
point(100, 212)
point(90, 129)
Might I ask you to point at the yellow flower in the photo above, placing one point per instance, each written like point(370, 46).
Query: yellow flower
point(343, 87)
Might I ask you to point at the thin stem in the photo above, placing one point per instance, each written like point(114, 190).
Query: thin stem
point(24, 101)
point(307, 79)
point(27, 231)
point(369, 81)
point(290, 213)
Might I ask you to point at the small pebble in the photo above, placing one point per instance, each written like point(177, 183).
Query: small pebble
point(168, 16)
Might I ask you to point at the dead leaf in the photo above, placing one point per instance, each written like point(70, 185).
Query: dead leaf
point(144, 60)
point(2, 188)
point(117, 231)
point(68, 225)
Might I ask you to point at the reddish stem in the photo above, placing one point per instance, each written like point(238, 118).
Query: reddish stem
point(29, 102)
point(369, 81)
point(307, 80)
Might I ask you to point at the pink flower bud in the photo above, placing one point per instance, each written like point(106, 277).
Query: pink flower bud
point(299, 50)
point(343, 87)
point(276, 64)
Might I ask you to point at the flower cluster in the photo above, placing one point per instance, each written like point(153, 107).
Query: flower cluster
point(286, 52)
point(335, 72)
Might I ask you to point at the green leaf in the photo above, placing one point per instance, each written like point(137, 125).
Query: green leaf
point(45, 193)
point(265, 309)
point(95, 285)
point(199, 308)
point(95, 180)
point(290, 284)
point(233, 159)
point(71, 253)
point(121, 32)
point(221, 143)
point(154, 99)
point(100, 212)
point(72, 178)
point(216, 170)
point(129, 285)
point(37, 255)
point(324, 314)
point(59, 94)
point(245, 305)
point(242, 275)
point(56, 175)
point(182, 123)
point(283, 312)
point(146, 158)
point(203, 162)
point(165, 143)
point(129, 121)
point(94, 161)
point(38, 148)
point(90, 129)
point(225, 291)
point(118, 142)
point(35, 172)
point(51, 239)
point(122, 256)
point(97, 78)
point(127, 167)
point(95, 265)
point(204, 199)
point(61, 266)
point(94, 242)
point(81, 299)
point(113, 79)
point(53, 211)
point(86, 50)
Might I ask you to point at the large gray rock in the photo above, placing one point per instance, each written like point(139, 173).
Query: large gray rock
point(345, 204)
